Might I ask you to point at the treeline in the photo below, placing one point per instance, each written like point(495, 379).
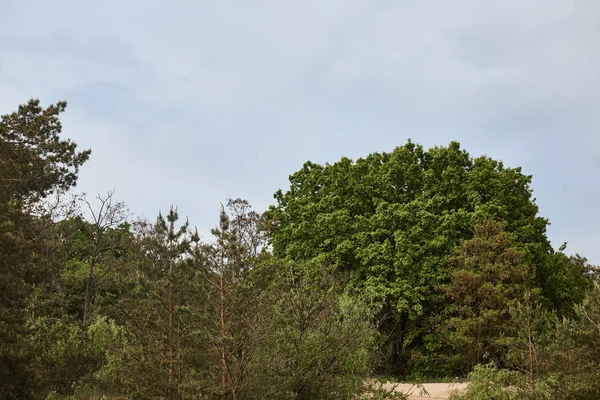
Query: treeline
point(414, 264)
point(97, 306)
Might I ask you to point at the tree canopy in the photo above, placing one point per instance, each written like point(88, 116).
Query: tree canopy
point(414, 263)
point(394, 220)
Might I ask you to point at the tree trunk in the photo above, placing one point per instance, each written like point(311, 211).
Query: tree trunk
point(223, 334)
point(530, 343)
point(89, 290)
point(171, 348)
point(33, 305)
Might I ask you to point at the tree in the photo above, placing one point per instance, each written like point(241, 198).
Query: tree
point(176, 245)
point(99, 240)
point(279, 332)
point(565, 281)
point(487, 276)
point(35, 160)
point(164, 250)
point(232, 263)
point(104, 222)
point(34, 163)
point(392, 220)
point(551, 358)
point(535, 330)
point(161, 312)
point(322, 342)
point(574, 354)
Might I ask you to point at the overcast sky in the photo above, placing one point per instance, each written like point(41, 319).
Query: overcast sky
point(192, 102)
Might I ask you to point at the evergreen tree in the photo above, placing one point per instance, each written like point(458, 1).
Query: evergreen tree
point(487, 276)
point(234, 277)
point(35, 162)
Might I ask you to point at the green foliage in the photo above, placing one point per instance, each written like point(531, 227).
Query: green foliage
point(92, 251)
point(35, 162)
point(489, 382)
point(321, 343)
point(157, 310)
point(70, 357)
point(550, 359)
point(562, 355)
point(534, 330)
point(392, 217)
point(393, 257)
point(393, 220)
point(487, 276)
point(574, 355)
point(565, 282)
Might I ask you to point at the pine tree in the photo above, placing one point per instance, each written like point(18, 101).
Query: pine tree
point(231, 264)
point(175, 244)
point(487, 276)
point(34, 163)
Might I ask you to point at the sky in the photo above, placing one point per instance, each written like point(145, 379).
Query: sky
point(191, 102)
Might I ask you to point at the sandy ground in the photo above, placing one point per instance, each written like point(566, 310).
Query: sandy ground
point(436, 391)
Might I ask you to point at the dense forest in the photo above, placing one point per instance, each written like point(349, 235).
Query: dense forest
point(410, 265)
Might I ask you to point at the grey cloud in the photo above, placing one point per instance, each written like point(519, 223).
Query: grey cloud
point(98, 48)
point(99, 99)
point(517, 49)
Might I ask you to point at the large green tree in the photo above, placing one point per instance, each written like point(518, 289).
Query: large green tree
point(392, 220)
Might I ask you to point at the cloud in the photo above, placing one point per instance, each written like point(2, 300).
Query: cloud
point(472, 56)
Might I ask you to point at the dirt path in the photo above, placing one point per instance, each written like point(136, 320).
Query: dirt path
point(436, 391)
